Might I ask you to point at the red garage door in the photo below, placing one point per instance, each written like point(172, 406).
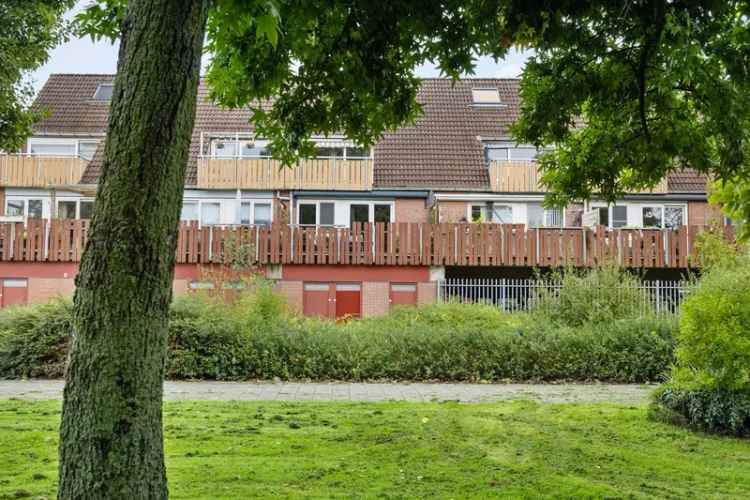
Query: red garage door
point(316, 300)
point(13, 292)
point(348, 300)
point(403, 294)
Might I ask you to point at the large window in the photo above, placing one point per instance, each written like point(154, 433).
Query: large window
point(613, 216)
point(189, 211)
point(86, 149)
point(66, 209)
point(383, 213)
point(538, 216)
point(45, 148)
point(490, 212)
point(14, 208)
point(253, 212)
point(210, 213)
point(359, 213)
point(667, 216)
point(308, 214)
point(327, 214)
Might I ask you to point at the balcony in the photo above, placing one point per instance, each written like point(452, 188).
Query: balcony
point(265, 173)
point(523, 176)
point(380, 244)
point(19, 170)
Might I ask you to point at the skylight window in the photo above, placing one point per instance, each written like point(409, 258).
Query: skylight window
point(104, 92)
point(486, 96)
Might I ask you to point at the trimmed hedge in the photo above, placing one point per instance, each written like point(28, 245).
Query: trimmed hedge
point(257, 339)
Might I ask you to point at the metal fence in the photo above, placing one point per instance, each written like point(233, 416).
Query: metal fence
point(660, 297)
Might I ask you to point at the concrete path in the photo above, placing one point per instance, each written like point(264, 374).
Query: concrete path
point(334, 391)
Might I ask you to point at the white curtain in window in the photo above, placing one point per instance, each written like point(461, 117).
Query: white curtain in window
point(210, 213)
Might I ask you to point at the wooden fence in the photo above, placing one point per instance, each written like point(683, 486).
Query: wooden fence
point(395, 244)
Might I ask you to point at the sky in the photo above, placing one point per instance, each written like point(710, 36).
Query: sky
point(84, 56)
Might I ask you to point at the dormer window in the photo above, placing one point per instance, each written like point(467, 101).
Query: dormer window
point(104, 92)
point(485, 96)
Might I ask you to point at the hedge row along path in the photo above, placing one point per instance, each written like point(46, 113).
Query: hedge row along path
point(416, 392)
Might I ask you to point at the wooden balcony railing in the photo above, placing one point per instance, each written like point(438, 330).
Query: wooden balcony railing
point(18, 170)
point(520, 176)
point(265, 173)
point(397, 244)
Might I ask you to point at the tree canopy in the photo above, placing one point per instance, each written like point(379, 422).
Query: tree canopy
point(629, 91)
point(29, 29)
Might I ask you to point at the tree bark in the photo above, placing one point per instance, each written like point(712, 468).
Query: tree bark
point(111, 443)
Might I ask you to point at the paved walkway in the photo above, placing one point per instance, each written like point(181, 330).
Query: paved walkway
point(294, 391)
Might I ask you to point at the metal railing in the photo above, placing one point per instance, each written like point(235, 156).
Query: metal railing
point(660, 297)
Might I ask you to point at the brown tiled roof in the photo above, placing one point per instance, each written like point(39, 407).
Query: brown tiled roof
point(686, 181)
point(442, 150)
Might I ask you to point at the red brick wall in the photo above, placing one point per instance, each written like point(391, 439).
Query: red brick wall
point(375, 298)
point(453, 211)
point(701, 213)
point(292, 291)
point(44, 289)
point(426, 293)
point(411, 210)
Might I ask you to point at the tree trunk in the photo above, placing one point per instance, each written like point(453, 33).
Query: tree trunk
point(111, 444)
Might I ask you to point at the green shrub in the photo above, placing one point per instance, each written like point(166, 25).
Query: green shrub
point(257, 338)
point(710, 410)
point(34, 340)
point(710, 384)
point(599, 295)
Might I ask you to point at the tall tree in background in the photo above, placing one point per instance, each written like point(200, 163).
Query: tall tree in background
point(29, 29)
point(626, 91)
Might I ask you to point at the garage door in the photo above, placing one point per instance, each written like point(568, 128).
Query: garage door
point(13, 292)
point(316, 300)
point(348, 300)
point(403, 294)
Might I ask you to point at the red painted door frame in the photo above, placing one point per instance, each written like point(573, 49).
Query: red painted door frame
point(348, 300)
point(403, 294)
point(13, 292)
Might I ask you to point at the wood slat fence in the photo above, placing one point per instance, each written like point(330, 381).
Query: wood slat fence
point(380, 244)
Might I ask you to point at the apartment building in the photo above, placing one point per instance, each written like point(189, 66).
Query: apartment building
point(373, 226)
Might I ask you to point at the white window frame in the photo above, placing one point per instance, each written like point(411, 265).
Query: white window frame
point(212, 202)
point(639, 206)
point(77, 201)
point(484, 206)
point(508, 147)
point(494, 102)
point(345, 204)
point(59, 141)
point(252, 202)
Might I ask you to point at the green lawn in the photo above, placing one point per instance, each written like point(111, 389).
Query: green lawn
point(403, 450)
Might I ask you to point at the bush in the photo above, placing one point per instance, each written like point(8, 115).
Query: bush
point(710, 385)
point(599, 295)
point(256, 338)
point(34, 340)
point(711, 410)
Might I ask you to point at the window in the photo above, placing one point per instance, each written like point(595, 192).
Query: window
point(673, 217)
point(189, 211)
point(254, 149)
point(86, 149)
point(327, 214)
point(485, 96)
point(520, 153)
point(331, 152)
point(66, 209)
point(355, 152)
point(262, 214)
point(477, 213)
point(35, 209)
point(527, 154)
point(652, 216)
point(383, 213)
point(619, 216)
point(498, 214)
point(86, 209)
point(14, 207)
point(52, 148)
point(359, 213)
point(538, 216)
point(553, 217)
point(210, 213)
point(307, 214)
point(104, 92)
point(224, 149)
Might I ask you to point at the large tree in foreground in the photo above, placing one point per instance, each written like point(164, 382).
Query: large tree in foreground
point(346, 66)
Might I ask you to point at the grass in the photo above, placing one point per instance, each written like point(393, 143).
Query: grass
point(403, 450)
